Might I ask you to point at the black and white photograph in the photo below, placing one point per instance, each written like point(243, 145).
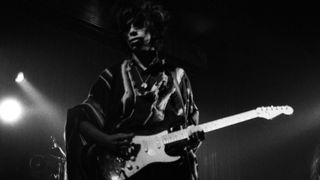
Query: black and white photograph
point(159, 90)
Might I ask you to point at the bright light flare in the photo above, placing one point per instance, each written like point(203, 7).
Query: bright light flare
point(20, 77)
point(10, 110)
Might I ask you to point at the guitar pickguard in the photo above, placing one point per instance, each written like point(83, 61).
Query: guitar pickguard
point(151, 150)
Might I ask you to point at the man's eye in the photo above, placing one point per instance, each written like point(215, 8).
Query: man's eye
point(139, 25)
point(129, 22)
point(139, 22)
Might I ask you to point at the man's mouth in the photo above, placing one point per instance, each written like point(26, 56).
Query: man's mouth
point(134, 40)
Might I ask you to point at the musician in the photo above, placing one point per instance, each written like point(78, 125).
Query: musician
point(142, 95)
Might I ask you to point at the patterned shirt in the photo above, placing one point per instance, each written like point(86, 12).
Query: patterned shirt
point(144, 100)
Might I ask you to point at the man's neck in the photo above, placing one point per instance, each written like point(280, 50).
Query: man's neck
point(144, 57)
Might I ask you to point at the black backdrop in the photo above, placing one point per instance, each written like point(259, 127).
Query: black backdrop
point(239, 55)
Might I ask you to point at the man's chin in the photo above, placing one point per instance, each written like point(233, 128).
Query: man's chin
point(140, 48)
point(135, 45)
point(135, 48)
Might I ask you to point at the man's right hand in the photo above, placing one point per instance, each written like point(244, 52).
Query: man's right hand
point(119, 144)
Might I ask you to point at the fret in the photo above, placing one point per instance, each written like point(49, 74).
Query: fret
point(175, 136)
point(263, 112)
point(228, 121)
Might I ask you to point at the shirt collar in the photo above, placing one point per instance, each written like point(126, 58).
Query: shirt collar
point(139, 63)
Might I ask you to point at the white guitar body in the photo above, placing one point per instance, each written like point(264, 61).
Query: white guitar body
point(151, 149)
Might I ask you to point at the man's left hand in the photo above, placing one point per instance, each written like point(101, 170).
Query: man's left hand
point(196, 136)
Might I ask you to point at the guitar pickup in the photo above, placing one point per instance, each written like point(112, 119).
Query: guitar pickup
point(133, 152)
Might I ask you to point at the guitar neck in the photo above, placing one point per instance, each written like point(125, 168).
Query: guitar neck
point(263, 112)
point(228, 121)
point(210, 126)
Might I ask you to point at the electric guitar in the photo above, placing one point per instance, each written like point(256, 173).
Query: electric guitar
point(151, 149)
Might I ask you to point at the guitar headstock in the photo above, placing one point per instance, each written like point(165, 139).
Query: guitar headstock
point(269, 112)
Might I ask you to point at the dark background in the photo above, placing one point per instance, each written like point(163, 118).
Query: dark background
point(239, 55)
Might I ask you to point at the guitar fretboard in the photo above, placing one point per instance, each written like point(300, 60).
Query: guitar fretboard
point(228, 121)
point(210, 126)
point(175, 136)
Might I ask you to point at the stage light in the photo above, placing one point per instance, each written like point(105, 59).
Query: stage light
point(10, 110)
point(20, 77)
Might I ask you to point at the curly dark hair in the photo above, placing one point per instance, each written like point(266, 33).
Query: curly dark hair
point(144, 14)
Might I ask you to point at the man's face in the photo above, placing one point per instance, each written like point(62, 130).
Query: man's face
point(138, 38)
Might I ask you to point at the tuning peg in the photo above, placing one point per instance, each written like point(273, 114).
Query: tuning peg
point(289, 110)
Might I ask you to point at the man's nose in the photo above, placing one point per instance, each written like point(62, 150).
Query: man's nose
point(132, 32)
